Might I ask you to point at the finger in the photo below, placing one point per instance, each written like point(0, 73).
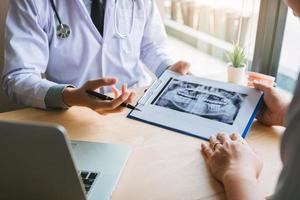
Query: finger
point(262, 86)
point(213, 140)
point(124, 88)
point(236, 137)
point(117, 101)
point(184, 67)
point(115, 91)
point(233, 137)
point(107, 105)
point(223, 138)
point(131, 97)
point(207, 151)
point(95, 84)
point(120, 108)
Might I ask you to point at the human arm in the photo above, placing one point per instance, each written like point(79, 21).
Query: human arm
point(232, 162)
point(288, 186)
point(275, 106)
point(26, 54)
point(154, 47)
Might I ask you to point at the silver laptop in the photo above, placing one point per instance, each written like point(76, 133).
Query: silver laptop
point(39, 162)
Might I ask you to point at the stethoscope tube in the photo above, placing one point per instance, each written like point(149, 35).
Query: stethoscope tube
point(56, 12)
point(116, 24)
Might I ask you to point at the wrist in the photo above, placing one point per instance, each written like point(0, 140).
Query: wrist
point(237, 177)
point(68, 96)
point(242, 186)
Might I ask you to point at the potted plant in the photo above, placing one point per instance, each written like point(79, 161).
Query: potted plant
point(237, 65)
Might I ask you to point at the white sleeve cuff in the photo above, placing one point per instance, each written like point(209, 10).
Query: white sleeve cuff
point(163, 67)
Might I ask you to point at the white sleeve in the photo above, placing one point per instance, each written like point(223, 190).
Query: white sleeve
point(26, 54)
point(154, 48)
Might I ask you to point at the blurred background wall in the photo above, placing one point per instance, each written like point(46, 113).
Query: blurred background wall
point(161, 7)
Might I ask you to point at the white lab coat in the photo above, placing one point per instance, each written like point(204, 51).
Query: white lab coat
point(32, 47)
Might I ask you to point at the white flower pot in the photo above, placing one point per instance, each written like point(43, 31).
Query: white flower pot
point(237, 75)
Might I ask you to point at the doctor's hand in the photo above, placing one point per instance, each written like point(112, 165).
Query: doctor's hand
point(180, 67)
point(79, 97)
point(275, 105)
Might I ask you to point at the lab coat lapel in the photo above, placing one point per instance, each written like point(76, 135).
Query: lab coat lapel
point(108, 17)
point(84, 12)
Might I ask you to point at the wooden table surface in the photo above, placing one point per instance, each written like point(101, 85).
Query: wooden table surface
point(164, 165)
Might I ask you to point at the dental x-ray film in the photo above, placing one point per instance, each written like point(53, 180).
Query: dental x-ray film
point(202, 100)
point(198, 107)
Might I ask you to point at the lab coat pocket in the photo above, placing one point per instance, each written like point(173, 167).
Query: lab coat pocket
point(132, 27)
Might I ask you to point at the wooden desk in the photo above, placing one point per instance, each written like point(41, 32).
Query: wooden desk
point(164, 165)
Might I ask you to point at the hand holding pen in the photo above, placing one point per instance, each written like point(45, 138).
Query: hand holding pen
point(108, 98)
point(79, 96)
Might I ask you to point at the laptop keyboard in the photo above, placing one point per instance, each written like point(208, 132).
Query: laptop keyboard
point(88, 179)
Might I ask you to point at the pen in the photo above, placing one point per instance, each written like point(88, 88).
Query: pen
point(107, 98)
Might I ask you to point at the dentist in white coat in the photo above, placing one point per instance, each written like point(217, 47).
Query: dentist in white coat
point(57, 49)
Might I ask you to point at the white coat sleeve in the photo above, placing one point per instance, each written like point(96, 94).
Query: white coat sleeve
point(154, 48)
point(26, 55)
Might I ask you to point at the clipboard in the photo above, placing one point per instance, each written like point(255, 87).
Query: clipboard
point(197, 106)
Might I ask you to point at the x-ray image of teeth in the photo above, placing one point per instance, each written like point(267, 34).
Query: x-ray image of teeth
point(201, 100)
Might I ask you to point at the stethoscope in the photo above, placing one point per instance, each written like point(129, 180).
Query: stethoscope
point(63, 31)
point(116, 23)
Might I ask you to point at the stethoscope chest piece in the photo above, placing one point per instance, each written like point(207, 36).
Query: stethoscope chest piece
point(63, 31)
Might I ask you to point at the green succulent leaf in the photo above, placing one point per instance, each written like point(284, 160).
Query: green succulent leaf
point(237, 57)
